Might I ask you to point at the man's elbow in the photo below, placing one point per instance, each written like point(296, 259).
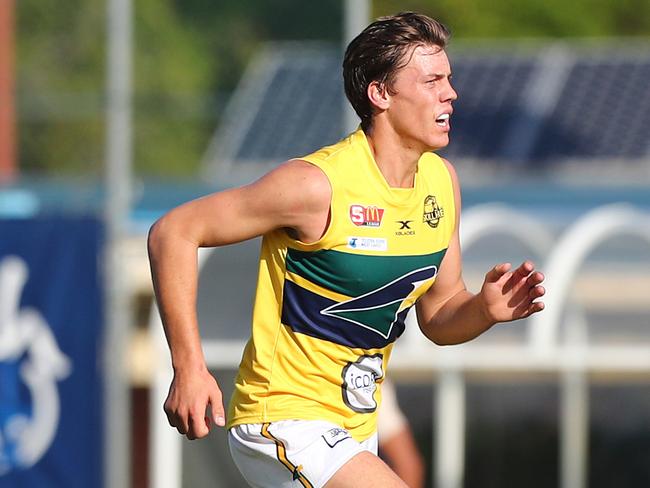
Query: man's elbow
point(440, 333)
point(444, 342)
point(430, 327)
point(158, 233)
point(440, 340)
point(171, 231)
point(430, 332)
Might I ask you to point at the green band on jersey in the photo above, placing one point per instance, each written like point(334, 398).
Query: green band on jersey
point(354, 274)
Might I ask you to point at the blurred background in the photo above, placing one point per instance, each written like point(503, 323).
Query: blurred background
point(113, 112)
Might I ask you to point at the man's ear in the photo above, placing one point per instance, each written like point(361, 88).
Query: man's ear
point(378, 95)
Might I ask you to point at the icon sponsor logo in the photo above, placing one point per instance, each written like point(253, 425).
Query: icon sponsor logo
point(333, 436)
point(360, 383)
point(368, 243)
point(363, 216)
point(404, 228)
point(432, 212)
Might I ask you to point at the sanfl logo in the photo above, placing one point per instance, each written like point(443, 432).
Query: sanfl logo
point(29, 354)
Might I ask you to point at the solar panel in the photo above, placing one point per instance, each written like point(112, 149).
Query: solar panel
point(301, 111)
point(595, 106)
point(603, 112)
point(490, 95)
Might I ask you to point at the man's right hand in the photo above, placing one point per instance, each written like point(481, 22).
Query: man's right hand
point(189, 396)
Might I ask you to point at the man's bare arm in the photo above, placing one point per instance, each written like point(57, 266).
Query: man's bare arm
point(449, 314)
point(296, 195)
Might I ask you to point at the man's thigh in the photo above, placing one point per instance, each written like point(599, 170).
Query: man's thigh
point(365, 470)
point(293, 453)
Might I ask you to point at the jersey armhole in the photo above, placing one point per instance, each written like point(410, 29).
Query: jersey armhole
point(450, 182)
point(329, 173)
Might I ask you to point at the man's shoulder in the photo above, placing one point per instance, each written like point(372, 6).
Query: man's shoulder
point(305, 178)
point(434, 161)
point(431, 157)
point(333, 152)
point(300, 172)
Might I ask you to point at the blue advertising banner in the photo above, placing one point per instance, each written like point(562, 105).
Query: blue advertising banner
point(51, 323)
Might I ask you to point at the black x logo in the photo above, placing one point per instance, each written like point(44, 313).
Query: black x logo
point(404, 224)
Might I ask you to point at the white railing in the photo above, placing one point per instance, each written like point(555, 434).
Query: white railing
point(449, 427)
point(541, 351)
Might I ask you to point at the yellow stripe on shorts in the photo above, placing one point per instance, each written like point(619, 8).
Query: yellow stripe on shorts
point(282, 457)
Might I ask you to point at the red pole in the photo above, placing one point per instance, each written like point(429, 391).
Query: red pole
point(8, 170)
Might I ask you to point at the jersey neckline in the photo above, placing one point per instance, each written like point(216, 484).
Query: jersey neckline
point(396, 196)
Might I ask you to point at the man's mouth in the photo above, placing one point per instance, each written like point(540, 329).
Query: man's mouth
point(443, 120)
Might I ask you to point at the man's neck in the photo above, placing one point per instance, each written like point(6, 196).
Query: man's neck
point(395, 158)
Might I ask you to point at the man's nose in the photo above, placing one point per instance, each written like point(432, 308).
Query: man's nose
point(450, 94)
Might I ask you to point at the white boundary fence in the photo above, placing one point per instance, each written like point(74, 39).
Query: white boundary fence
point(541, 352)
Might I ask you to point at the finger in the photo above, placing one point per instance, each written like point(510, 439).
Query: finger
point(526, 309)
point(497, 272)
point(535, 278)
point(523, 294)
point(198, 427)
point(525, 268)
point(216, 405)
point(176, 420)
point(535, 307)
point(520, 298)
point(536, 292)
point(522, 279)
point(180, 425)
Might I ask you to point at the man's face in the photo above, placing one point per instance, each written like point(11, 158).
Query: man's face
point(420, 103)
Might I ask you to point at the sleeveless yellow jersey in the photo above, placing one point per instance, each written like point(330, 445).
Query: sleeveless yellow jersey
point(327, 313)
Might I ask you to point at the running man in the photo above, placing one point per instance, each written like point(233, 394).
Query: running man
point(354, 235)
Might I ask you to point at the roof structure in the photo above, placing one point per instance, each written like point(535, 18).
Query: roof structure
point(522, 106)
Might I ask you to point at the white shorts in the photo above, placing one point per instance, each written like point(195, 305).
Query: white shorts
point(293, 453)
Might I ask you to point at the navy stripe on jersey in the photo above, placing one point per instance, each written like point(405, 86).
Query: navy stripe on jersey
point(301, 312)
point(372, 320)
